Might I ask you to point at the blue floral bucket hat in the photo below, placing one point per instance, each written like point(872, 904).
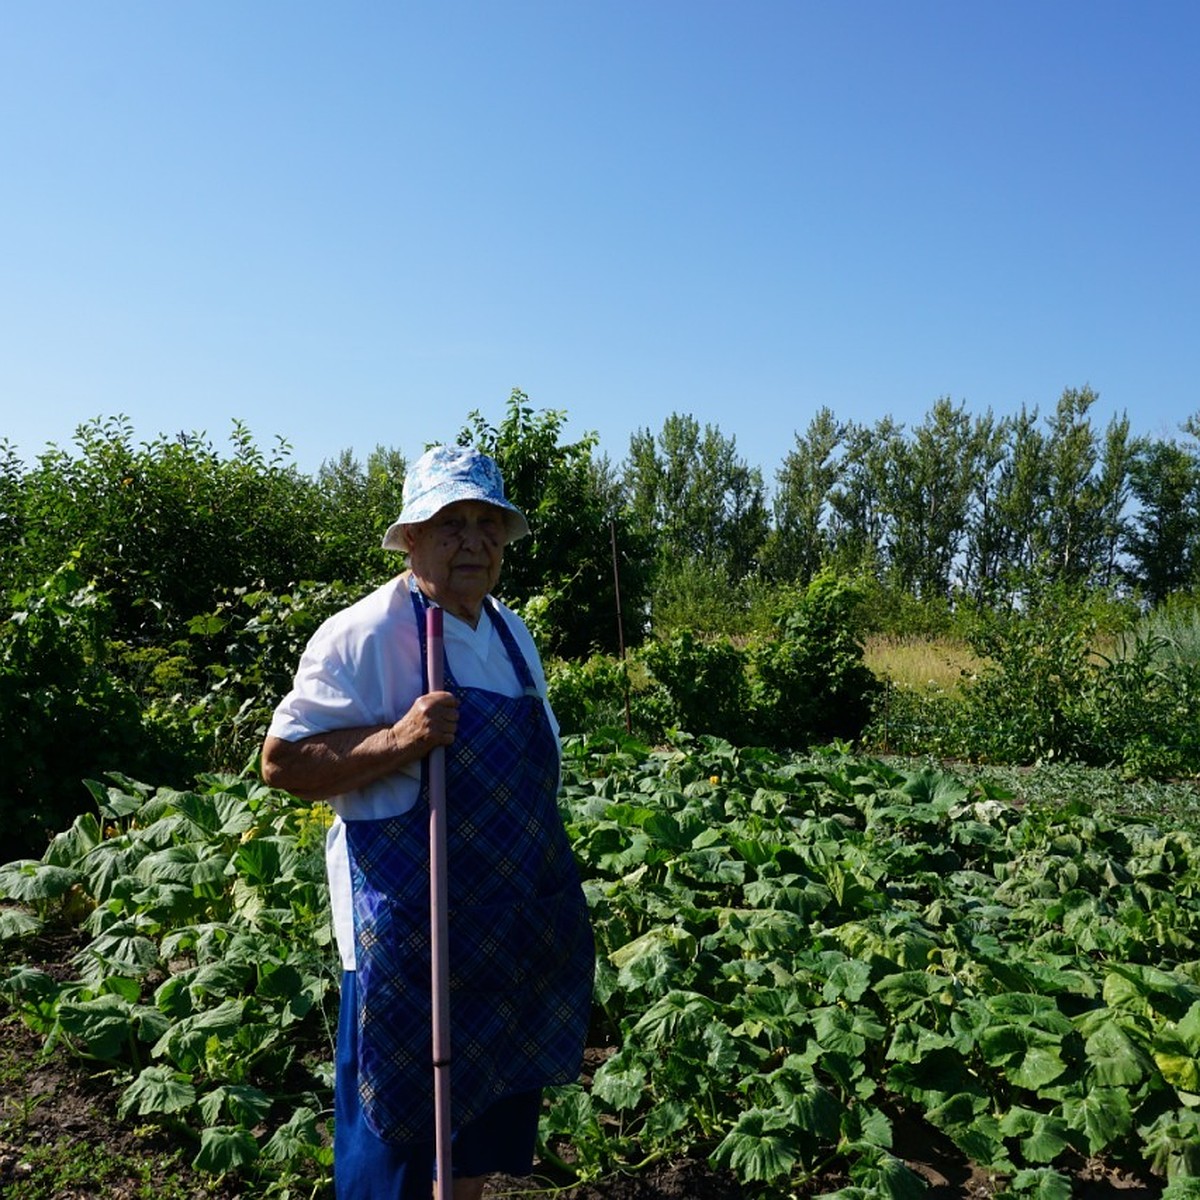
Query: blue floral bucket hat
point(446, 474)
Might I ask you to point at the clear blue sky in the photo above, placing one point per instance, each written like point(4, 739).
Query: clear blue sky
point(353, 223)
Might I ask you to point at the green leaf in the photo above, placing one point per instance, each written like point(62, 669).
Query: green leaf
point(157, 1090)
point(222, 814)
point(1038, 1066)
point(665, 1119)
point(68, 849)
point(258, 860)
point(890, 1178)
point(1043, 1136)
point(848, 980)
point(299, 1138)
point(1114, 1059)
point(25, 983)
point(1029, 1057)
point(1142, 989)
point(662, 940)
point(102, 1025)
point(16, 923)
point(1183, 1187)
point(760, 1147)
point(570, 1114)
point(863, 1125)
point(678, 1014)
point(937, 788)
point(225, 1148)
point(620, 1081)
point(1172, 1144)
point(1189, 1029)
point(244, 1104)
point(1102, 1116)
point(844, 1031)
point(31, 882)
point(906, 993)
point(1173, 1058)
point(1041, 1183)
point(185, 1042)
point(912, 1043)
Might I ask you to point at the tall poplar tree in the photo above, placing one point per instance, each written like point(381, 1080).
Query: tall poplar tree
point(929, 490)
point(1163, 536)
point(698, 496)
point(799, 543)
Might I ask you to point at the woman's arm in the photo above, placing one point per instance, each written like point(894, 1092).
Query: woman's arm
point(343, 760)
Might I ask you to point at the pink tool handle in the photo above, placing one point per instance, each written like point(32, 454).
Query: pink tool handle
point(439, 919)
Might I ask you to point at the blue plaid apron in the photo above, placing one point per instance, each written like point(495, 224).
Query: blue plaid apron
point(520, 943)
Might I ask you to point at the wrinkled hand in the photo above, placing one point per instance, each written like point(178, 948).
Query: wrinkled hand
point(432, 721)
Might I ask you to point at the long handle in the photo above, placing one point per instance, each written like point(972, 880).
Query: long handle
point(439, 919)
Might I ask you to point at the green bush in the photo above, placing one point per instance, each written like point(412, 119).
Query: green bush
point(809, 684)
point(706, 682)
point(243, 655)
point(916, 723)
point(65, 714)
point(603, 692)
point(1047, 694)
point(805, 685)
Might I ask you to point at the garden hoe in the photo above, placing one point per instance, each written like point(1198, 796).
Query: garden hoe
point(439, 921)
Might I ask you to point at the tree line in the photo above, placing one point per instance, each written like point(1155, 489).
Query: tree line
point(961, 505)
point(159, 593)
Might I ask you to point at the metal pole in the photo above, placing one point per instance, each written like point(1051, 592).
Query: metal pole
point(438, 920)
point(612, 531)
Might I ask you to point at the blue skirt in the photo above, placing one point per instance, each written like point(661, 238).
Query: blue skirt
point(365, 1167)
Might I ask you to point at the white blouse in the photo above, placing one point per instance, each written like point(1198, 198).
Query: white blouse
point(363, 667)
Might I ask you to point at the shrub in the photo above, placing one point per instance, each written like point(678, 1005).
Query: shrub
point(65, 714)
point(706, 683)
point(807, 684)
point(243, 654)
point(1045, 693)
point(810, 684)
point(601, 692)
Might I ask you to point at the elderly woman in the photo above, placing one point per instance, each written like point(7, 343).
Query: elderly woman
point(355, 730)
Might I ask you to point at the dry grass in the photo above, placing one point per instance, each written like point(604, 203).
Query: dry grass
point(923, 664)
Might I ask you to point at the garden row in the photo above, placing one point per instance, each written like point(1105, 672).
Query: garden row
point(793, 954)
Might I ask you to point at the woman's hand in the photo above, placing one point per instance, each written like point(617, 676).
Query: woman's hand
point(344, 760)
point(431, 721)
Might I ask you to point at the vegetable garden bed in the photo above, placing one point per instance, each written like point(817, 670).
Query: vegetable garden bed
point(819, 976)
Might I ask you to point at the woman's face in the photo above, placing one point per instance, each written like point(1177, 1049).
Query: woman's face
point(456, 555)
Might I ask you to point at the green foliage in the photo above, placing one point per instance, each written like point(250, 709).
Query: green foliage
point(1163, 538)
point(1024, 703)
point(1046, 693)
point(842, 938)
point(64, 712)
point(809, 684)
point(353, 506)
point(886, 609)
point(165, 527)
point(203, 985)
point(604, 692)
point(697, 596)
point(707, 684)
point(837, 937)
point(577, 527)
point(805, 684)
point(76, 704)
point(702, 501)
point(251, 643)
